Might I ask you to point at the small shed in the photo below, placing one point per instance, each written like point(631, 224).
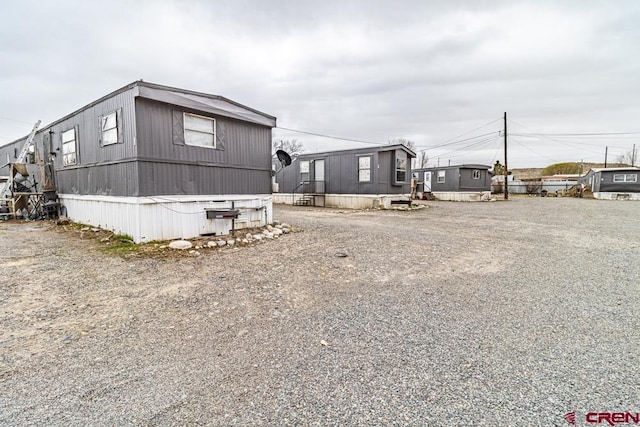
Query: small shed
point(613, 183)
point(158, 163)
point(355, 178)
point(470, 182)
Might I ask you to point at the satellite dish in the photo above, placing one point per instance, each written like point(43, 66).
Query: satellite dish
point(284, 157)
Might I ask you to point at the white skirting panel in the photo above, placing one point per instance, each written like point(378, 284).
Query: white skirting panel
point(348, 201)
point(463, 196)
point(616, 196)
point(167, 217)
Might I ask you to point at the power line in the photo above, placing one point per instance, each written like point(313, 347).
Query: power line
point(472, 130)
point(16, 120)
point(480, 148)
point(517, 124)
point(443, 144)
point(457, 142)
point(572, 134)
point(583, 134)
point(557, 139)
point(466, 147)
point(495, 155)
point(332, 137)
point(527, 148)
point(575, 145)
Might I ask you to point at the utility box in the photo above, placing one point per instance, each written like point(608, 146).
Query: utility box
point(222, 213)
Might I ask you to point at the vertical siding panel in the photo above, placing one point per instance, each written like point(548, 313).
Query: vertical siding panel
point(74, 179)
point(245, 145)
point(342, 173)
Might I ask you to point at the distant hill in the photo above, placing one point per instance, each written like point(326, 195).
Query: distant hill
point(532, 173)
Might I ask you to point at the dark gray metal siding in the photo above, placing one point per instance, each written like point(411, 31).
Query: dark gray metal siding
point(467, 183)
point(88, 122)
point(451, 180)
point(101, 170)
point(98, 169)
point(341, 173)
point(457, 178)
point(8, 154)
point(587, 180)
point(114, 179)
point(607, 184)
point(146, 161)
point(158, 179)
point(603, 181)
point(241, 163)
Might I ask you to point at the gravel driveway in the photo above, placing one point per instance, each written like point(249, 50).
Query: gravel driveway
point(506, 313)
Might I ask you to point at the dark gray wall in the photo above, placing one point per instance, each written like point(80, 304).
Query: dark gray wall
point(8, 154)
point(457, 178)
point(341, 173)
point(451, 179)
point(607, 184)
point(110, 178)
point(604, 181)
point(240, 164)
point(147, 160)
point(467, 183)
point(587, 180)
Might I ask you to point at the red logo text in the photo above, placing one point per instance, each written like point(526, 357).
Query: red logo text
point(613, 418)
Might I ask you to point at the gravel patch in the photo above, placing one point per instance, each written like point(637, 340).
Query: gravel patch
point(469, 314)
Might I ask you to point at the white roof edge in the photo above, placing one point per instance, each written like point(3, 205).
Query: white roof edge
point(629, 168)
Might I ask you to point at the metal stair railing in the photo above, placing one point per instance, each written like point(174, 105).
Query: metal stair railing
point(309, 190)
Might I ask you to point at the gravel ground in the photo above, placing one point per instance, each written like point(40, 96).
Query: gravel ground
point(505, 313)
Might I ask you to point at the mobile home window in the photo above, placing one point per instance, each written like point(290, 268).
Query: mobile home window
point(401, 169)
point(364, 169)
point(476, 174)
point(69, 147)
point(199, 130)
point(625, 177)
point(110, 129)
point(304, 170)
point(441, 177)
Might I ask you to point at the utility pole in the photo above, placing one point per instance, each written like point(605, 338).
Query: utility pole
point(633, 155)
point(606, 149)
point(506, 165)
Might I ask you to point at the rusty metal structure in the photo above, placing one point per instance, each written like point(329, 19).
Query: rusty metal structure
point(21, 196)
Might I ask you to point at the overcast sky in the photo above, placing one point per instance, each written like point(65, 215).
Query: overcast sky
point(432, 72)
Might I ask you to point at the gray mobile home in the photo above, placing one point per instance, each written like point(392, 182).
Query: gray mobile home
point(459, 182)
point(356, 178)
point(158, 163)
point(613, 183)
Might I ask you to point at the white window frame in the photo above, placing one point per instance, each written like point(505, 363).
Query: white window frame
point(190, 131)
point(69, 147)
point(625, 177)
point(441, 174)
point(108, 130)
point(476, 174)
point(364, 170)
point(304, 170)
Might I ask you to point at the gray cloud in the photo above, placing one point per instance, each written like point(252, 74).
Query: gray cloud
point(366, 70)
